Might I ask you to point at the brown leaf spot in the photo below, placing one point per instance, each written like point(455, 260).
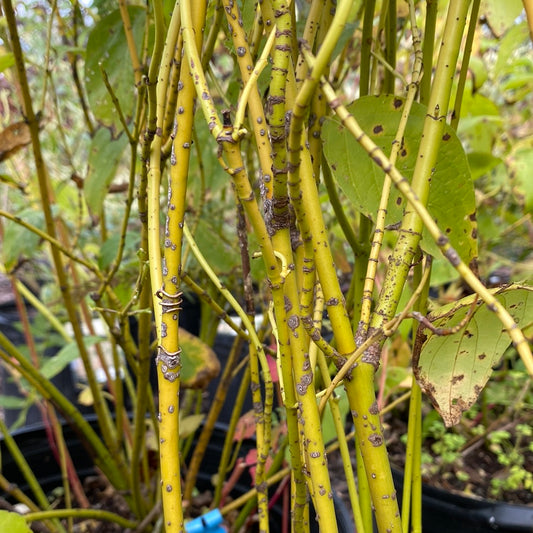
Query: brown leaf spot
point(446, 137)
point(378, 129)
point(457, 379)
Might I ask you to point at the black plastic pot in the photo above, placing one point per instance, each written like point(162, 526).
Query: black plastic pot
point(446, 512)
point(34, 445)
point(10, 327)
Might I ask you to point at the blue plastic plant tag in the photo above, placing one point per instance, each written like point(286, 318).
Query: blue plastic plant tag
point(207, 523)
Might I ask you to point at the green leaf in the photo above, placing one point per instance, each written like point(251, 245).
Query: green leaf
point(509, 47)
point(52, 366)
point(199, 362)
point(453, 369)
point(476, 104)
point(19, 241)
point(104, 157)
point(480, 125)
point(168, 8)
point(329, 432)
point(451, 197)
point(209, 168)
point(6, 179)
point(247, 13)
point(398, 377)
point(13, 522)
point(479, 72)
point(516, 81)
point(220, 254)
point(13, 402)
point(500, 15)
point(520, 165)
point(108, 250)
point(481, 163)
point(442, 273)
point(103, 7)
point(69, 49)
point(6, 60)
point(107, 47)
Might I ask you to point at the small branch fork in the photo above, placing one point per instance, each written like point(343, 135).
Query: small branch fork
point(441, 332)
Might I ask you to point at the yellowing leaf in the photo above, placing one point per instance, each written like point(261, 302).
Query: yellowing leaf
point(189, 425)
point(199, 362)
point(453, 369)
point(13, 138)
point(501, 16)
point(85, 397)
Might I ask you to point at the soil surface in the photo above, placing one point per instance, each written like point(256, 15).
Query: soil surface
point(102, 496)
point(469, 476)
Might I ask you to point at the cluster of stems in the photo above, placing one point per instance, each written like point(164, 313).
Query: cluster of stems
point(269, 145)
